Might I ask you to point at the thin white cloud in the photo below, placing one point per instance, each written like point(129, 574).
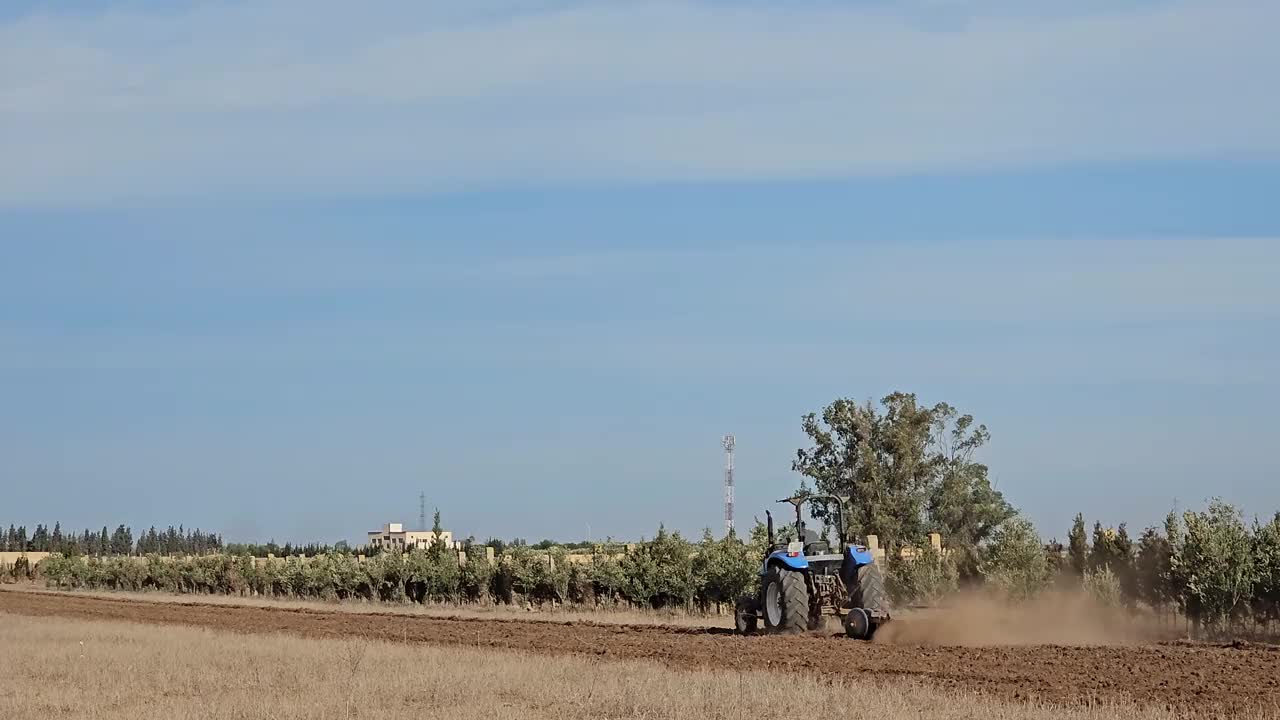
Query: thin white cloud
point(283, 96)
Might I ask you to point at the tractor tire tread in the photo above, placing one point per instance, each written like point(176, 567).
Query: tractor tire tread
point(871, 594)
point(795, 599)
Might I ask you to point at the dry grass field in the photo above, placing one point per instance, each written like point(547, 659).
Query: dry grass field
point(63, 668)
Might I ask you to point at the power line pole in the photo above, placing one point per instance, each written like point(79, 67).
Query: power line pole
point(728, 484)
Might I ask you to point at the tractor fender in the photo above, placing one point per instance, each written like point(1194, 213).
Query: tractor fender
point(797, 562)
point(860, 555)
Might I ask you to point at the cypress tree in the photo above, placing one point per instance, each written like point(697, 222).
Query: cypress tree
point(1078, 546)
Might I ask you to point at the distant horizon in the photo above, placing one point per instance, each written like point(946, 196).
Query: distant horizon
point(718, 532)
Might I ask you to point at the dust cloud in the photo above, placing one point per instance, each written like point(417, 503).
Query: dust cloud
point(978, 619)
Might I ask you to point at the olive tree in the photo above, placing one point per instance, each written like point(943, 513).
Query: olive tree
point(1013, 563)
point(660, 572)
point(1213, 563)
point(722, 570)
point(1266, 558)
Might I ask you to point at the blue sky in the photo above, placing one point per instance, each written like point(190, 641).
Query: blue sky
point(275, 267)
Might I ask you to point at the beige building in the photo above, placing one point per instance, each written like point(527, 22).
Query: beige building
point(393, 535)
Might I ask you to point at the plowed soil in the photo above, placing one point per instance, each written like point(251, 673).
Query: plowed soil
point(1242, 678)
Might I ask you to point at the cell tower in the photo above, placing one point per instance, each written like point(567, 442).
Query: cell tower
point(728, 484)
point(422, 511)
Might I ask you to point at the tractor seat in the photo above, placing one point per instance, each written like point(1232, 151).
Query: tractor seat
point(815, 544)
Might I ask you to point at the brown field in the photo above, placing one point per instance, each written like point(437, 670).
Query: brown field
point(178, 660)
point(561, 614)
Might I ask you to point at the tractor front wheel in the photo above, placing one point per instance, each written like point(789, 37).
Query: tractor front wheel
point(786, 600)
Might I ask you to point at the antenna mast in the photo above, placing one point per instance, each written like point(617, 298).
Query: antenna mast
point(728, 484)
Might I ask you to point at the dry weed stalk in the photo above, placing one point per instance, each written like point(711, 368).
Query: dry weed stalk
point(353, 654)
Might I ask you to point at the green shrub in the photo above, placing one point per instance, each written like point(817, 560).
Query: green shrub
point(475, 577)
point(722, 571)
point(1266, 558)
point(922, 578)
point(1213, 564)
point(432, 574)
point(581, 586)
point(1103, 586)
point(608, 580)
point(659, 572)
point(59, 572)
point(1013, 563)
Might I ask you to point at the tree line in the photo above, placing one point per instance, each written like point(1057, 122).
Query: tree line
point(1208, 565)
point(171, 541)
point(667, 571)
point(180, 541)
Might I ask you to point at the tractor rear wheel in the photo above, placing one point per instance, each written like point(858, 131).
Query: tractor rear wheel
point(786, 600)
point(870, 595)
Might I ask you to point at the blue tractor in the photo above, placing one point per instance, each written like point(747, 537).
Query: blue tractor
point(805, 580)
